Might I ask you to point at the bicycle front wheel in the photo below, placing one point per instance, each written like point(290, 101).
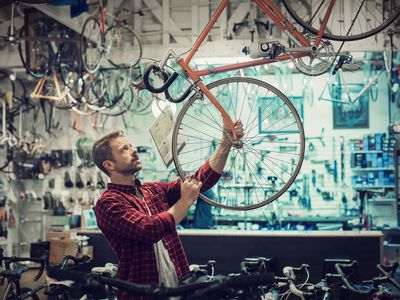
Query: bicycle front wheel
point(126, 47)
point(349, 20)
point(272, 151)
point(91, 44)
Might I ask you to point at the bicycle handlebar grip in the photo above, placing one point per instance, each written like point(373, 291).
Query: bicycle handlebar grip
point(76, 260)
point(43, 264)
point(181, 98)
point(352, 265)
point(386, 269)
point(167, 80)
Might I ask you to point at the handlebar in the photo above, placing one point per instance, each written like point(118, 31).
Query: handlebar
point(13, 259)
point(291, 273)
point(77, 261)
point(353, 265)
point(218, 282)
point(168, 80)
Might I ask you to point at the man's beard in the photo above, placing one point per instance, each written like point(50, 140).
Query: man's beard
point(129, 170)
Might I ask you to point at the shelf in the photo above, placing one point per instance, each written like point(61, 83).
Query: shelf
point(366, 187)
point(368, 151)
point(373, 169)
point(382, 200)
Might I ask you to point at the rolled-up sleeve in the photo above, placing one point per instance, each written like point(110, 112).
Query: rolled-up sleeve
point(119, 218)
point(205, 174)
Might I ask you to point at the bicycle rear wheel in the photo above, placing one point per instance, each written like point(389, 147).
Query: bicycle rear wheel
point(372, 17)
point(35, 54)
point(273, 143)
point(126, 47)
point(91, 44)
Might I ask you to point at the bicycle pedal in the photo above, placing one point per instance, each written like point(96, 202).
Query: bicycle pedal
point(352, 67)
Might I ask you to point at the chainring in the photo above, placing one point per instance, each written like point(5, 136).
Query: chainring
point(319, 62)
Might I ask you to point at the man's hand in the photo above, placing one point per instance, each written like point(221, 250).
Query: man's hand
point(190, 189)
point(228, 136)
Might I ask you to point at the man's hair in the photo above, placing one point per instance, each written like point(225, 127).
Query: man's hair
point(102, 151)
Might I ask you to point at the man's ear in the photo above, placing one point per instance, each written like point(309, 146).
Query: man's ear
point(108, 165)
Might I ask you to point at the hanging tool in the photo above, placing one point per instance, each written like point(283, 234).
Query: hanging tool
point(313, 177)
point(344, 201)
point(342, 160)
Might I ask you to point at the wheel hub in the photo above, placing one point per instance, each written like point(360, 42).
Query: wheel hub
point(237, 144)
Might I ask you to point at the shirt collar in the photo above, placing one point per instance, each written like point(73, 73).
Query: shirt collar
point(124, 187)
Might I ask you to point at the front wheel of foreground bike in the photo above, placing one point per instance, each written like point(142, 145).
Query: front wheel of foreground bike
point(266, 161)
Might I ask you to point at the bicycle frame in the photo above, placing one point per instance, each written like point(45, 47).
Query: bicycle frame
point(278, 18)
point(350, 100)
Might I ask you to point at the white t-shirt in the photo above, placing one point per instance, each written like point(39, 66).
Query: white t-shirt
point(166, 269)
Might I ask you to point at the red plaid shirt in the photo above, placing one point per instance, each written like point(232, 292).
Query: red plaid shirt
point(124, 220)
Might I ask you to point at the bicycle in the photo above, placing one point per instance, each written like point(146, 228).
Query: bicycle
point(198, 286)
point(97, 42)
point(267, 109)
point(13, 272)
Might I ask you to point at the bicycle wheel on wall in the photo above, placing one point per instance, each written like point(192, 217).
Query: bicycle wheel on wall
point(273, 143)
point(91, 44)
point(364, 18)
point(126, 47)
point(35, 54)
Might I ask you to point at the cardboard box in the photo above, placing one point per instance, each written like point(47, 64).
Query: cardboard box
point(59, 235)
point(59, 248)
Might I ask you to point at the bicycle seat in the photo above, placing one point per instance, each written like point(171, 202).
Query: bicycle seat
point(15, 272)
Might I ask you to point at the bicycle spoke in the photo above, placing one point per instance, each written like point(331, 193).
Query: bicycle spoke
point(255, 162)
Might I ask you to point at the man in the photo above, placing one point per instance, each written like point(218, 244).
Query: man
point(138, 220)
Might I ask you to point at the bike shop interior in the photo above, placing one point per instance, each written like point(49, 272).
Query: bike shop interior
point(316, 176)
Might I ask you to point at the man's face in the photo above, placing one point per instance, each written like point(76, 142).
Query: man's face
point(126, 161)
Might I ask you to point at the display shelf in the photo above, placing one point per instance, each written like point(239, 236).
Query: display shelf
point(365, 187)
point(382, 200)
point(367, 151)
point(373, 169)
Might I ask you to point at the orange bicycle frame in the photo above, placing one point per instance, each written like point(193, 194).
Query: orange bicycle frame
point(278, 18)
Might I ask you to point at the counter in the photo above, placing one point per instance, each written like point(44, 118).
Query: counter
point(228, 248)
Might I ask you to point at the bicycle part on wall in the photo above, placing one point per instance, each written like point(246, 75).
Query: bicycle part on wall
point(34, 52)
point(350, 115)
point(362, 18)
point(319, 61)
point(256, 148)
point(92, 44)
point(125, 44)
point(119, 39)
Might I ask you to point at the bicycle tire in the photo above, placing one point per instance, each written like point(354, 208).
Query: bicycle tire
point(44, 67)
point(257, 143)
point(342, 36)
point(6, 156)
point(91, 51)
point(124, 104)
point(119, 52)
